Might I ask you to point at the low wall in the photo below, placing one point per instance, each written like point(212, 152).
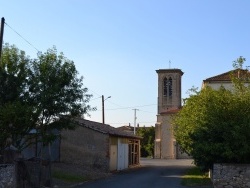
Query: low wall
point(28, 174)
point(231, 175)
point(7, 176)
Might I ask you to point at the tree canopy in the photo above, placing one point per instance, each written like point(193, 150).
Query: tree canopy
point(147, 142)
point(38, 94)
point(214, 125)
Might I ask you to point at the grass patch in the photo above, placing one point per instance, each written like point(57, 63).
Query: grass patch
point(66, 177)
point(194, 177)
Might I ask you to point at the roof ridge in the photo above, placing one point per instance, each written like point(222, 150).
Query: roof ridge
point(226, 76)
point(219, 75)
point(102, 128)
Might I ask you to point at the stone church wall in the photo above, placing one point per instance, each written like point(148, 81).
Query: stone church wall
point(168, 143)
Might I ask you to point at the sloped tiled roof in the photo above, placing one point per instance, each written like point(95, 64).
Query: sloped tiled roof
point(126, 128)
point(171, 111)
point(103, 128)
point(221, 77)
point(227, 75)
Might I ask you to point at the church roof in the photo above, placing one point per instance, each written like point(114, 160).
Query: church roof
point(170, 71)
point(171, 111)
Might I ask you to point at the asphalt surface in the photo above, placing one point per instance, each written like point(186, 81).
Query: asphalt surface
point(153, 173)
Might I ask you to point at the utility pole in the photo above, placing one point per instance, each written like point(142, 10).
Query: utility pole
point(103, 121)
point(135, 119)
point(1, 36)
point(103, 116)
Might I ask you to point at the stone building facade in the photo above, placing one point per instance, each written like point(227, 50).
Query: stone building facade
point(100, 146)
point(225, 79)
point(82, 146)
point(169, 103)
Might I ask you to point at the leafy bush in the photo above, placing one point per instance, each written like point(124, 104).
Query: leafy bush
point(214, 125)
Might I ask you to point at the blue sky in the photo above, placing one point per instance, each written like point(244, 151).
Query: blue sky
point(118, 44)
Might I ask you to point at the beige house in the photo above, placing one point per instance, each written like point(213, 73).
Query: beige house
point(169, 103)
point(224, 79)
point(99, 146)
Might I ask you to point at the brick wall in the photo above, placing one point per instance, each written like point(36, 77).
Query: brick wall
point(85, 147)
point(231, 175)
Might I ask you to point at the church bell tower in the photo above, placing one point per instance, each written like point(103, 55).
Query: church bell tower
point(169, 103)
point(169, 89)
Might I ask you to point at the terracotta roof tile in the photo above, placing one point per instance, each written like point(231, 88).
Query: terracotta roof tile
point(104, 128)
point(227, 75)
point(171, 111)
point(126, 128)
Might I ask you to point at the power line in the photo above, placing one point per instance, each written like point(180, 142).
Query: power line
point(95, 98)
point(147, 111)
point(92, 91)
point(147, 122)
point(121, 107)
point(22, 37)
point(117, 123)
point(131, 107)
point(116, 104)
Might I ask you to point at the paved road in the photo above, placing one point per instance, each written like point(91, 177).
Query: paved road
point(153, 173)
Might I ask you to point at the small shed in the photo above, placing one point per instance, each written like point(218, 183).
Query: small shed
point(99, 146)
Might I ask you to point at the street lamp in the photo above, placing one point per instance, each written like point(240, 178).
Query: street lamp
point(103, 117)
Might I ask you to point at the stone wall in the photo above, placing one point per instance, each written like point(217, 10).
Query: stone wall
point(23, 173)
point(7, 176)
point(231, 175)
point(86, 147)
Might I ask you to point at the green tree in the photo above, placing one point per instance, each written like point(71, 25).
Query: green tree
point(16, 118)
point(15, 123)
point(56, 91)
point(14, 67)
point(41, 94)
point(214, 125)
point(147, 142)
